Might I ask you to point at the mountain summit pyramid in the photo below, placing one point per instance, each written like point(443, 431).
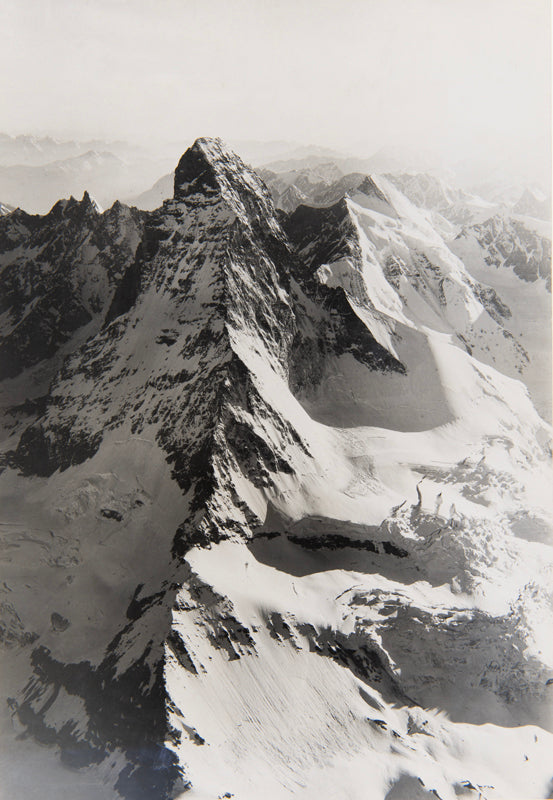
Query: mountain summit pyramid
point(275, 502)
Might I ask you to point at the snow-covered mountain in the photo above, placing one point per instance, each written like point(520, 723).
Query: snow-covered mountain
point(34, 150)
point(315, 187)
point(512, 255)
point(120, 172)
point(435, 194)
point(58, 277)
point(533, 204)
point(280, 523)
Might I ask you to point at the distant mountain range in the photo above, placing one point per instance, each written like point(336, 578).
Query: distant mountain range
point(36, 171)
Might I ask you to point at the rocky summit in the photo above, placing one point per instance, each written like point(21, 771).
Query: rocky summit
point(276, 495)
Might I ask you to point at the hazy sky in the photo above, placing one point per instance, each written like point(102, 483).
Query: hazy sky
point(462, 75)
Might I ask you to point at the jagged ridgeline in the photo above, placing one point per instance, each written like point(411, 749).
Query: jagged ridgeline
point(276, 509)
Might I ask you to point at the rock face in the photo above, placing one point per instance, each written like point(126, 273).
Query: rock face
point(510, 244)
point(281, 503)
point(59, 273)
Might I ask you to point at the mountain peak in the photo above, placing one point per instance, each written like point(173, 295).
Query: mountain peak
point(209, 167)
point(76, 208)
point(5, 209)
point(369, 187)
point(90, 203)
point(201, 165)
point(370, 194)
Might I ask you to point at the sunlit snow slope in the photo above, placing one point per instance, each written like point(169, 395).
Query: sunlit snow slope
point(281, 525)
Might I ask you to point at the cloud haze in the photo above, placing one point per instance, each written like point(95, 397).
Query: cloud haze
point(467, 77)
